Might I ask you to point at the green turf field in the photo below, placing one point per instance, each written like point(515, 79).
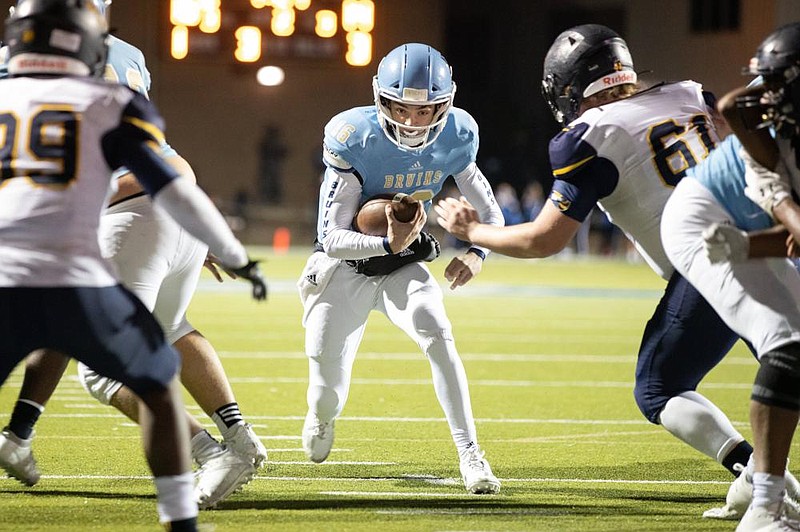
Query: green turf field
point(549, 347)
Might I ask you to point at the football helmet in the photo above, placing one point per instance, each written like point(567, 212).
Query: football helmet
point(777, 61)
point(63, 37)
point(582, 61)
point(413, 74)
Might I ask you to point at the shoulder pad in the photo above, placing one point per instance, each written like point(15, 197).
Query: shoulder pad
point(346, 136)
point(569, 152)
point(142, 115)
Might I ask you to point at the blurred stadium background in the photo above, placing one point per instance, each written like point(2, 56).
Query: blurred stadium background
point(256, 149)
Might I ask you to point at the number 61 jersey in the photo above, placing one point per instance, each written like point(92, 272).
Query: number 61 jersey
point(60, 139)
point(628, 155)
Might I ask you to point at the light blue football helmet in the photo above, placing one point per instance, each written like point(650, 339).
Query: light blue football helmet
point(413, 74)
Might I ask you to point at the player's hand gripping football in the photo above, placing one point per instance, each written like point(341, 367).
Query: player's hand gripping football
point(252, 273)
point(457, 217)
point(401, 234)
point(724, 242)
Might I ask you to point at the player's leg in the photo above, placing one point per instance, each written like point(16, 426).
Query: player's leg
point(202, 373)
point(110, 329)
point(335, 316)
point(757, 299)
point(413, 301)
point(204, 377)
point(682, 342)
point(16, 456)
point(43, 371)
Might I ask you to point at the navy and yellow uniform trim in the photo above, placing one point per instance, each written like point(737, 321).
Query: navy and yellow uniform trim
point(582, 177)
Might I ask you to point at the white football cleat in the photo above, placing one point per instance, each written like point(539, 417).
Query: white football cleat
point(243, 440)
point(477, 475)
point(767, 519)
point(317, 438)
point(16, 457)
point(740, 493)
point(220, 476)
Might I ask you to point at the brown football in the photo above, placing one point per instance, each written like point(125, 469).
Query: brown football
point(371, 216)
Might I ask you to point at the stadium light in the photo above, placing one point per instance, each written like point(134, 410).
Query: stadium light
point(270, 76)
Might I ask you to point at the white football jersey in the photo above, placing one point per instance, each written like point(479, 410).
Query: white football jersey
point(60, 139)
point(627, 156)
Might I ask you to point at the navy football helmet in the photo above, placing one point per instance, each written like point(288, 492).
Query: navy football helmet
point(582, 61)
point(413, 74)
point(63, 37)
point(777, 61)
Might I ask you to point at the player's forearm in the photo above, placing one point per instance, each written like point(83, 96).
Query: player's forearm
point(759, 143)
point(521, 241)
point(193, 210)
point(787, 212)
point(768, 243)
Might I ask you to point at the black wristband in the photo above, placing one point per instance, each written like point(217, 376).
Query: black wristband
point(478, 252)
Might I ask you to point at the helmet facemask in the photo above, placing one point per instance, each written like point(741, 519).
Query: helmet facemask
point(777, 61)
point(404, 135)
point(413, 75)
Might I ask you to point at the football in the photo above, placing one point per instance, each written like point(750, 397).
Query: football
point(371, 216)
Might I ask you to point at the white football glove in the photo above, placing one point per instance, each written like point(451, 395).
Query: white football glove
point(765, 188)
point(724, 242)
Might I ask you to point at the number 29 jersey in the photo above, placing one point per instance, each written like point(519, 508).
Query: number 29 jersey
point(628, 155)
point(61, 139)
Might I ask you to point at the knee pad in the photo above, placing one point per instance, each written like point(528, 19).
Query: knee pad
point(778, 379)
point(99, 387)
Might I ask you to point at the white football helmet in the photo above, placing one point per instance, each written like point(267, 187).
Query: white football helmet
point(413, 74)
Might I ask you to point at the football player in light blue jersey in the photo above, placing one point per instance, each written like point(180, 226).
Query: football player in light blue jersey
point(624, 147)
point(750, 184)
point(161, 263)
point(408, 142)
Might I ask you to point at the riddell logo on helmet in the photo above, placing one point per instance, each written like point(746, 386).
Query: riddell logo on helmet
point(47, 64)
point(619, 79)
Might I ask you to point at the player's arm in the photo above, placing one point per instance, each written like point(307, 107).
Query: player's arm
point(548, 234)
point(136, 144)
point(128, 185)
point(476, 189)
point(341, 194)
point(582, 177)
point(765, 172)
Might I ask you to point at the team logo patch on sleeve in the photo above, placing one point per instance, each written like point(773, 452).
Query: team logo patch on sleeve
point(560, 201)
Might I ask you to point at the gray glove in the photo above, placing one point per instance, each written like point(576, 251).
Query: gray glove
point(724, 242)
point(765, 188)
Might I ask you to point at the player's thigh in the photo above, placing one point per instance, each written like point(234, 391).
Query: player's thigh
point(336, 317)
point(178, 287)
point(412, 299)
point(18, 331)
point(682, 342)
point(141, 242)
point(111, 331)
point(761, 301)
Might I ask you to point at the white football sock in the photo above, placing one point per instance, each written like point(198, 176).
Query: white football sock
point(452, 389)
point(698, 422)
